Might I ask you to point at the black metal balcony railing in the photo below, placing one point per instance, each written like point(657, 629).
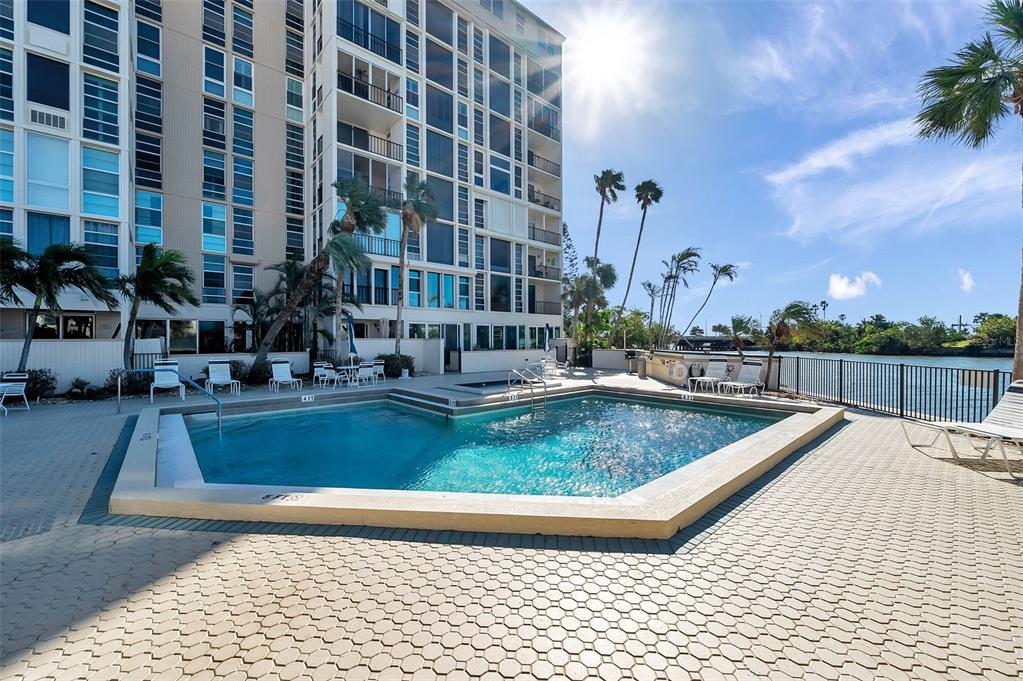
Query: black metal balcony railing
point(377, 245)
point(381, 296)
point(391, 199)
point(369, 92)
point(544, 235)
point(541, 199)
point(544, 164)
point(361, 294)
point(544, 307)
point(545, 128)
point(367, 141)
point(545, 272)
point(374, 44)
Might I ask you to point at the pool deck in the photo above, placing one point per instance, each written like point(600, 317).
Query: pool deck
point(858, 557)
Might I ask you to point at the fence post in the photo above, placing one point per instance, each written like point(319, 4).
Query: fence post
point(902, 389)
point(798, 362)
point(996, 376)
point(841, 381)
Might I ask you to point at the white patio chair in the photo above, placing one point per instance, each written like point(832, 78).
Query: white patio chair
point(220, 374)
point(378, 370)
point(324, 373)
point(748, 380)
point(366, 374)
point(14, 385)
point(715, 373)
point(281, 374)
point(166, 378)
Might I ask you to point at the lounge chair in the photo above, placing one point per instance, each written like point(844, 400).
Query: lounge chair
point(281, 374)
point(378, 370)
point(14, 385)
point(167, 379)
point(366, 374)
point(220, 374)
point(715, 373)
point(748, 380)
point(1004, 425)
point(323, 373)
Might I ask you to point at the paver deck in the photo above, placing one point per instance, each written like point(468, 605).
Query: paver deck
point(858, 558)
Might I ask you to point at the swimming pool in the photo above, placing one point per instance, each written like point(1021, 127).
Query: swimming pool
point(587, 447)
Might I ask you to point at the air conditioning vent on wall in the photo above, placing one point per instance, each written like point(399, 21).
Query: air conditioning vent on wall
point(48, 119)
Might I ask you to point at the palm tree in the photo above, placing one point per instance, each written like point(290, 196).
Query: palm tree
point(290, 274)
point(782, 325)
point(647, 192)
point(738, 329)
point(678, 268)
point(572, 297)
point(602, 276)
point(718, 272)
point(258, 309)
point(364, 211)
point(965, 99)
point(417, 209)
point(824, 309)
point(654, 291)
point(607, 184)
point(162, 278)
point(61, 267)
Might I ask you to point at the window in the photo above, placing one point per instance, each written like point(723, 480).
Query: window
point(295, 244)
point(213, 71)
point(100, 187)
point(439, 153)
point(478, 94)
point(477, 45)
point(53, 14)
point(7, 19)
point(293, 12)
point(500, 256)
point(243, 188)
point(500, 179)
point(99, 36)
point(370, 29)
point(242, 142)
point(416, 330)
point(48, 176)
point(517, 146)
point(463, 247)
point(518, 182)
point(78, 326)
point(463, 121)
point(412, 12)
point(6, 222)
point(520, 23)
point(477, 127)
point(478, 168)
point(517, 69)
point(148, 217)
point(463, 35)
point(214, 227)
point(439, 109)
point(412, 51)
point(99, 111)
point(147, 48)
point(438, 21)
point(500, 135)
point(6, 165)
point(47, 81)
point(214, 279)
point(293, 53)
point(463, 294)
point(243, 281)
point(500, 293)
point(439, 65)
point(463, 208)
point(412, 145)
point(500, 96)
point(44, 230)
point(213, 124)
point(241, 40)
point(149, 8)
point(213, 21)
point(432, 289)
point(481, 252)
point(294, 100)
point(415, 288)
point(241, 233)
point(212, 339)
point(293, 192)
point(414, 251)
point(463, 163)
point(482, 337)
point(479, 290)
point(242, 91)
point(148, 171)
point(6, 84)
point(448, 290)
point(443, 197)
point(184, 336)
point(412, 98)
point(47, 326)
point(293, 144)
point(148, 104)
point(500, 57)
point(214, 174)
point(463, 78)
point(101, 243)
point(440, 243)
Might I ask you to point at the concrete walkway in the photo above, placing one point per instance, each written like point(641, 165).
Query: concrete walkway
point(858, 558)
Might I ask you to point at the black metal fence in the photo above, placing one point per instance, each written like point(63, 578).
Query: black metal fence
point(917, 391)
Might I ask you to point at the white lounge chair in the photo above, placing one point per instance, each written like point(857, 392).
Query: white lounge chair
point(220, 374)
point(1004, 425)
point(323, 373)
point(378, 370)
point(366, 374)
point(281, 374)
point(715, 373)
point(748, 380)
point(14, 385)
point(167, 379)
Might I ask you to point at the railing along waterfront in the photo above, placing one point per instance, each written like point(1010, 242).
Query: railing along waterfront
point(369, 92)
point(927, 393)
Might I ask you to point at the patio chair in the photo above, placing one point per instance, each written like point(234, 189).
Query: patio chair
point(748, 380)
point(1004, 425)
point(715, 373)
point(14, 385)
point(324, 373)
point(220, 374)
point(281, 374)
point(366, 374)
point(378, 370)
point(166, 378)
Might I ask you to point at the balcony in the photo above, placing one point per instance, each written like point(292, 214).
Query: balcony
point(544, 200)
point(360, 294)
point(391, 199)
point(383, 296)
point(374, 44)
point(377, 245)
point(545, 272)
point(545, 129)
point(367, 141)
point(546, 165)
point(544, 307)
point(544, 235)
point(369, 92)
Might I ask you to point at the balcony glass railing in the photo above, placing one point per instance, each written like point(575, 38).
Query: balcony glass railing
point(369, 92)
point(374, 44)
point(367, 141)
point(377, 245)
point(541, 199)
point(544, 235)
point(544, 307)
point(545, 272)
point(545, 128)
point(544, 164)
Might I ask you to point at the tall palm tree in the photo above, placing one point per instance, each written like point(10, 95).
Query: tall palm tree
point(607, 184)
point(824, 309)
point(781, 326)
point(678, 268)
point(364, 211)
point(258, 309)
point(602, 276)
point(572, 297)
point(718, 272)
point(60, 268)
point(647, 192)
point(290, 273)
point(738, 329)
point(654, 291)
point(162, 278)
point(417, 209)
point(967, 98)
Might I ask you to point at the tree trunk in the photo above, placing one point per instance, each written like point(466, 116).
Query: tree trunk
point(317, 268)
point(712, 285)
point(1017, 353)
point(27, 345)
point(129, 334)
point(575, 321)
point(770, 362)
point(650, 323)
point(402, 257)
point(635, 254)
point(596, 242)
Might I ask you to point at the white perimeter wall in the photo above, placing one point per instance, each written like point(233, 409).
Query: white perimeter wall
point(499, 360)
point(427, 353)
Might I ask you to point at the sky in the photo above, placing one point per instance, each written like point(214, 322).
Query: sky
point(783, 136)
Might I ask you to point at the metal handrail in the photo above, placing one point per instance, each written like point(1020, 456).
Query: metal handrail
point(186, 379)
point(531, 380)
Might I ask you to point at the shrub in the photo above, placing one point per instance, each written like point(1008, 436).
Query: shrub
point(79, 386)
point(41, 383)
point(393, 364)
point(131, 383)
point(250, 375)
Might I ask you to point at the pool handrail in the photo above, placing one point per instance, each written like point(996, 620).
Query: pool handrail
point(188, 381)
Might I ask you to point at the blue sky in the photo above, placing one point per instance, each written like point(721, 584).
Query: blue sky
point(782, 135)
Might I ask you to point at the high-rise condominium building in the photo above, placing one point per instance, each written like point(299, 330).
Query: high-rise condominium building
point(217, 127)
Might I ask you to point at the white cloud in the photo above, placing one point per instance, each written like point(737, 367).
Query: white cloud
point(840, 287)
point(966, 282)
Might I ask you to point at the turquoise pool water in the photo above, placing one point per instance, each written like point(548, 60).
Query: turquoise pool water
point(594, 446)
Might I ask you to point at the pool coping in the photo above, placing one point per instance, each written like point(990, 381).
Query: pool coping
point(656, 510)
